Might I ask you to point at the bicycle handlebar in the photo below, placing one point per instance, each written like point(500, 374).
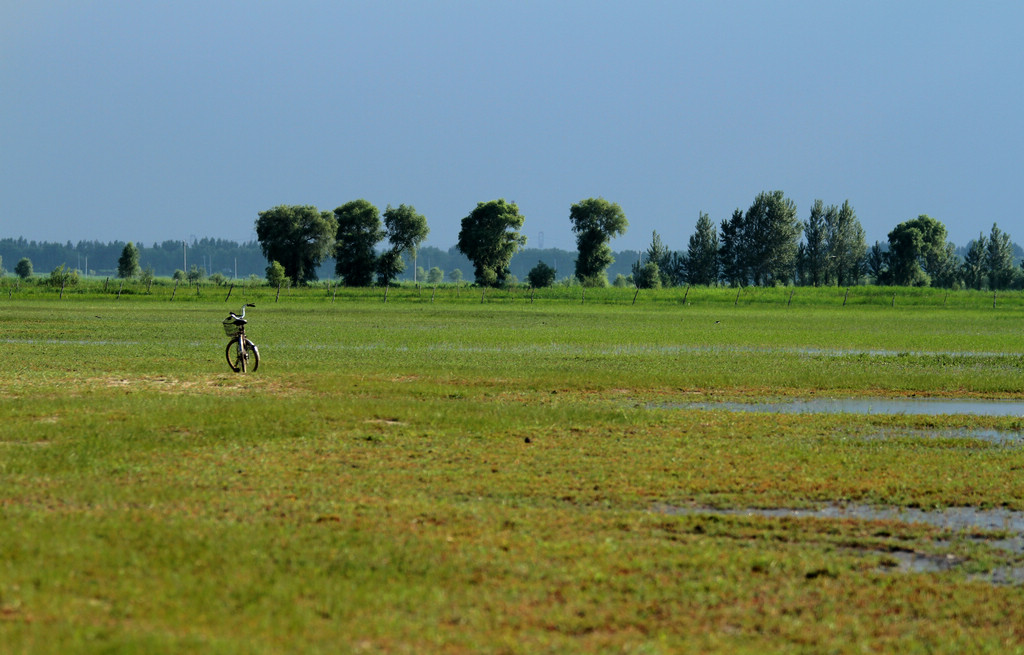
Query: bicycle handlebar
point(242, 315)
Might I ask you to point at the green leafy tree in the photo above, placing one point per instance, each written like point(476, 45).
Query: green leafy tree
point(661, 256)
point(917, 251)
point(814, 260)
point(771, 232)
point(999, 259)
point(196, 274)
point(877, 263)
point(594, 222)
point(489, 237)
point(405, 230)
point(359, 231)
point(62, 276)
point(455, 275)
point(541, 276)
point(702, 253)
point(23, 268)
point(147, 276)
point(847, 249)
point(276, 275)
point(435, 275)
point(732, 251)
point(974, 269)
point(179, 275)
point(297, 236)
point(128, 263)
point(647, 276)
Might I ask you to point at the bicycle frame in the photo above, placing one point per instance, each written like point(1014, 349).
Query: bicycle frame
point(245, 351)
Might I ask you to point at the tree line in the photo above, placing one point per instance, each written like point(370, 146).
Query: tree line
point(768, 244)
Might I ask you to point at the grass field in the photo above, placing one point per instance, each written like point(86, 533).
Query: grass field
point(459, 472)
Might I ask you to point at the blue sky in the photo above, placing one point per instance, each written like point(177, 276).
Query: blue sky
point(146, 121)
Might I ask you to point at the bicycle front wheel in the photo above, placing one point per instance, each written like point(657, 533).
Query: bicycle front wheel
point(242, 362)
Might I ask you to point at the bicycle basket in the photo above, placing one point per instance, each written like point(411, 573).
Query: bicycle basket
point(231, 328)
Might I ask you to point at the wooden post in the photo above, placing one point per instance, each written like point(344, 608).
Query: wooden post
point(175, 289)
point(230, 289)
point(119, 289)
point(893, 298)
point(685, 294)
point(792, 291)
point(846, 296)
point(636, 294)
point(433, 293)
point(105, 284)
point(61, 290)
point(482, 294)
point(993, 299)
point(335, 296)
point(278, 296)
point(737, 301)
point(583, 297)
point(386, 288)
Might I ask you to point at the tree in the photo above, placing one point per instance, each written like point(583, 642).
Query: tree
point(359, 231)
point(731, 251)
point(595, 221)
point(276, 275)
point(877, 263)
point(455, 275)
point(62, 276)
point(23, 268)
point(917, 250)
point(541, 276)
point(489, 237)
point(999, 259)
point(299, 237)
point(658, 255)
point(974, 269)
point(846, 247)
point(647, 276)
point(814, 258)
point(128, 263)
point(196, 274)
point(405, 230)
point(702, 253)
point(771, 232)
point(435, 275)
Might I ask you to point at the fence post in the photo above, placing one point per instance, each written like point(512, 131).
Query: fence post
point(846, 296)
point(230, 289)
point(278, 296)
point(792, 291)
point(636, 294)
point(175, 289)
point(684, 295)
point(119, 289)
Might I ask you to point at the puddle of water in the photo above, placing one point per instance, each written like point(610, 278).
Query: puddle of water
point(887, 406)
point(963, 520)
point(998, 437)
point(954, 519)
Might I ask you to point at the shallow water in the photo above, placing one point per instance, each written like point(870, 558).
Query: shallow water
point(968, 522)
point(912, 406)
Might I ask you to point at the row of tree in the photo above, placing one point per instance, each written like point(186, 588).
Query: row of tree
point(765, 245)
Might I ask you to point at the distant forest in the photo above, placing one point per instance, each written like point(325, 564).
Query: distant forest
point(240, 260)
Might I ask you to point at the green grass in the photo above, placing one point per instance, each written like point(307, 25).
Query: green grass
point(450, 475)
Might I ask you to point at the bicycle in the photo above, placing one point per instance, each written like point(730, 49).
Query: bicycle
point(241, 353)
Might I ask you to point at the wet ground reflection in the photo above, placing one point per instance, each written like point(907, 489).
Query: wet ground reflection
point(1005, 530)
point(889, 406)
